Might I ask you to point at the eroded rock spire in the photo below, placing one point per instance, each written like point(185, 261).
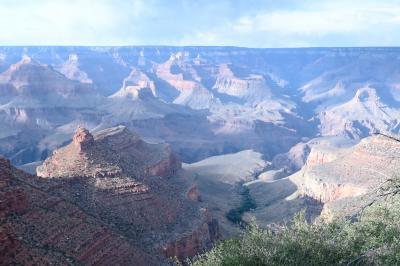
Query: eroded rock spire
point(83, 139)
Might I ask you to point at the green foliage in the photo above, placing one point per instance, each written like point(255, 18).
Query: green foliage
point(374, 239)
point(247, 203)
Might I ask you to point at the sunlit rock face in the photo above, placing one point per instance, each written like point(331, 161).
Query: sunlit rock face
point(252, 87)
point(363, 115)
point(71, 70)
point(332, 175)
point(118, 147)
point(133, 84)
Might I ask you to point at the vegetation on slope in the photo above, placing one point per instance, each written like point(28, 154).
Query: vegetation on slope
point(371, 237)
point(247, 203)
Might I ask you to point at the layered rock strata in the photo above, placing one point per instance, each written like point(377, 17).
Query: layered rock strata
point(37, 228)
point(349, 173)
point(131, 186)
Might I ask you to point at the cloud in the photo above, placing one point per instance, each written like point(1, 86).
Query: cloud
point(252, 23)
point(64, 21)
point(336, 17)
point(318, 23)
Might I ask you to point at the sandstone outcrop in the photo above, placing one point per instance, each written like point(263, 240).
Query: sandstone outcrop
point(72, 71)
point(184, 78)
point(131, 186)
point(108, 153)
point(252, 87)
point(194, 194)
point(37, 228)
point(350, 172)
point(133, 84)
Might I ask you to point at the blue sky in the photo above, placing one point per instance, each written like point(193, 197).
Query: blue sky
point(249, 23)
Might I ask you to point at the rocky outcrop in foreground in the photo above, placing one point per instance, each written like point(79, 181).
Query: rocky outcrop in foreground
point(130, 186)
point(37, 228)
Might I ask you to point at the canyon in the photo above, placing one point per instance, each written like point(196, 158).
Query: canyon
point(135, 155)
point(114, 179)
point(238, 98)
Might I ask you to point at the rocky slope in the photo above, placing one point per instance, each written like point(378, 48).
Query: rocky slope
point(337, 178)
point(39, 228)
point(132, 187)
point(30, 84)
point(217, 180)
point(311, 151)
point(349, 173)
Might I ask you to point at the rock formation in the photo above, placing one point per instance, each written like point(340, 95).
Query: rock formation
point(184, 78)
point(37, 228)
point(253, 87)
point(361, 116)
point(33, 85)
point(37, 101)
point(314, 151)
point(110, 152)
point(134, 83)
point(131, 186)
point(71, 70)
point(348, 173)
point(248, 94)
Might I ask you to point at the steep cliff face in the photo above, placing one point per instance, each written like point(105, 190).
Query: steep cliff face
point(330, 176)
point(72, 71)
point(131, 186)
point(13, 201)
point(37, 101)
point(190, 245)
point(361, 116)
point(37, 228)
point(184, 78)
point(133, 84)
point(251, 87)
point(34, 85)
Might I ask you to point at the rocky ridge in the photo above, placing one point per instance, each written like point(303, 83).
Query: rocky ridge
point(110, 152)
point(132, 187)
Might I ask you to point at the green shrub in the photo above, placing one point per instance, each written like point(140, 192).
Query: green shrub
point(374, 239)
point(247, 203)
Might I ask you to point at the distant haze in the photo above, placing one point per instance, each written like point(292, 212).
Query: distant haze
point(249, 23)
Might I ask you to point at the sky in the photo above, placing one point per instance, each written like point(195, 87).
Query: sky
point(245, 23)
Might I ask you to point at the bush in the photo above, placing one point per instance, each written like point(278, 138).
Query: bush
point(374, 239)
point(247, 203)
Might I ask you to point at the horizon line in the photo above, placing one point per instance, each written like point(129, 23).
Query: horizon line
point(200, 46)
